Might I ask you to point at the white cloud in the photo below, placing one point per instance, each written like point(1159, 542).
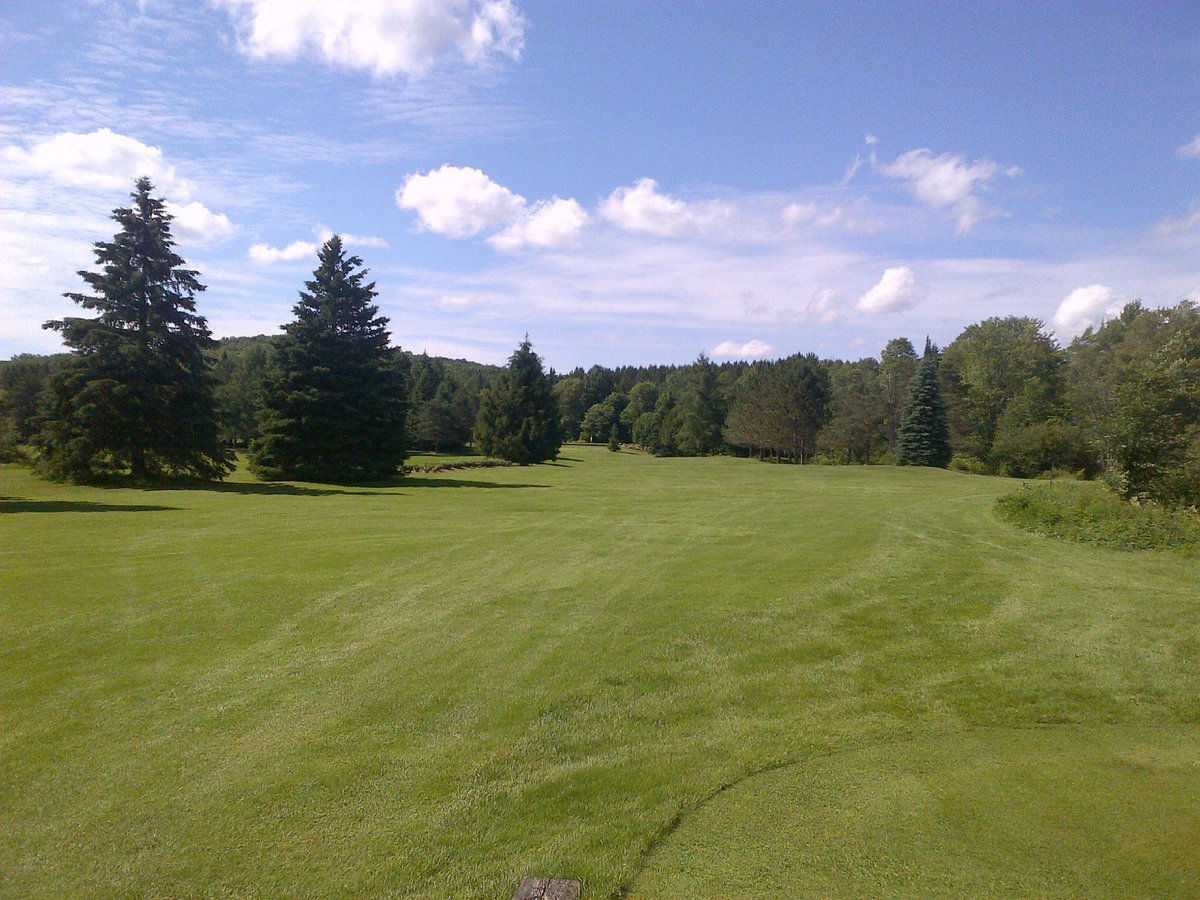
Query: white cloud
point(462, 202)
point(812, 214)
point(351, 240)
point(1190, 150)
point(265, 253)
point(383, 37)
point(640, 208)
point(101, 160)
point(196, 222)
point(1190, 222)
point(825, 306)
point(459, 202)
point(549, 224)
point(1084, 308)
point(949, 182)
point(105, 161)
point(749, 350)
point(897, 290)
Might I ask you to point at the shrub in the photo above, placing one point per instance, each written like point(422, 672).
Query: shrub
point(1028, 450)
point(972, 465)
point(1093, 514)
point(1063, 475)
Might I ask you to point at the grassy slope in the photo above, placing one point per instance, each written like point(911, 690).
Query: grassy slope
point(436, 688)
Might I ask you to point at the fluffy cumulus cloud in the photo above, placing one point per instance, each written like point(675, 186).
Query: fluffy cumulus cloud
point(948, 182)
point(749, 350)
point(196, 222)
point(1084, 308)
point(383, 37)
point(1190, 150)
point(547, 225)
point(460, 202)
point(642, 209)
point(105, 161)
point(897, 290)
point(265, 253)
point(101, 160)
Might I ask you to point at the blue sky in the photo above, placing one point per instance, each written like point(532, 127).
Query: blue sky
point(626, 182)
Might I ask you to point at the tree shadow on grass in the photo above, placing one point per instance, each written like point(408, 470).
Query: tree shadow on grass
point(22, 505)
point(417, 482)
point(392, 488)
point(287, 489)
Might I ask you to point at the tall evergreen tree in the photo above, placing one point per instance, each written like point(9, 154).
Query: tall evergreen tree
point(334, 406)
point(518, 417)
point(898, 365)
point(136, 398)
point(446, 419)
point(924, 436)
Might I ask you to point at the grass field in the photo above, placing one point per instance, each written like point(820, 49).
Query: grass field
point(667, 678)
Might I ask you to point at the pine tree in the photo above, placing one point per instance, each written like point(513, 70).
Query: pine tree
point(898, 365)
point(334, 405)
point(136, 398)
point(924, 437)
point(518, 417)
point(446, 419)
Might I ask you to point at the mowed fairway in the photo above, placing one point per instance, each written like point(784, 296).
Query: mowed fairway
point(657, 676)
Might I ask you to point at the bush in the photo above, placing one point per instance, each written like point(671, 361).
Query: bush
point(1091, 513)
point(972, 465)
point(429, 468)
point(11, 453)
point(1028, 450)
point(1063, 475)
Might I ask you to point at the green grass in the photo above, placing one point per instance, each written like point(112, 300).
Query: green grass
point(435, 688)
point(1100, 811)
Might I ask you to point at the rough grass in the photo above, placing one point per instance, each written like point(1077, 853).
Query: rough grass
point(1093, 514)
point(435, 688)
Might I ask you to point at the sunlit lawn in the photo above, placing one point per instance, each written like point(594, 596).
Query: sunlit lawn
point(435, 688)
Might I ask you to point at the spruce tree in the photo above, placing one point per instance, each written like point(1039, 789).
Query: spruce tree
point(333, 404)
point(136, 397)
point(924, 436)
point(518, 417)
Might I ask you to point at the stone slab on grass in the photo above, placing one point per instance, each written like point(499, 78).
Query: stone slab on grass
point(534, 888)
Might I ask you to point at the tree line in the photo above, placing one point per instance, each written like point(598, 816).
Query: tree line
point(1121, 400)
point(139, 396)
point(330, 399)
